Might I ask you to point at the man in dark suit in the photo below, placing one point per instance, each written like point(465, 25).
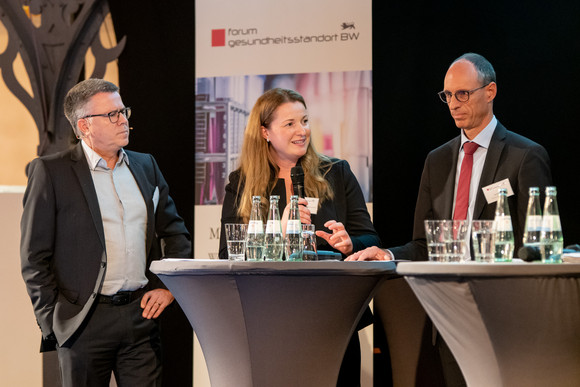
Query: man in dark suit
point(499, 157)
point(94, 219)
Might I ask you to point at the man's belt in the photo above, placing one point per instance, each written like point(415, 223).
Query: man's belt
point(122, 297)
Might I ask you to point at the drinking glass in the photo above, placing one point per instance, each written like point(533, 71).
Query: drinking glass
point(483, 241)
point(236, 234)
point(309, 252)
point(457, 248)
point(437, 233)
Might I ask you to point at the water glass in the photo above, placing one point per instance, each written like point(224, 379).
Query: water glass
point(236, 235)
point(457, 248)
point(437, 233)
point(309, 252)
point(483, 240)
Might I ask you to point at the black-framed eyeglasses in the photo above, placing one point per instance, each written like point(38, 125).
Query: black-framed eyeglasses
point(460, 95)
point(114, 115)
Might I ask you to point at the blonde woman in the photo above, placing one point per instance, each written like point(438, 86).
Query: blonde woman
point(277, 138)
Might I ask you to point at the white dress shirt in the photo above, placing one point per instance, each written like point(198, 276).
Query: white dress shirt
point(483, 139)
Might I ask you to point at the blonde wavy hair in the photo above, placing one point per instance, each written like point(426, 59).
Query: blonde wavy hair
point(258, 170)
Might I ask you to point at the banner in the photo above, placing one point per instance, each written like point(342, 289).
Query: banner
point(322, 49)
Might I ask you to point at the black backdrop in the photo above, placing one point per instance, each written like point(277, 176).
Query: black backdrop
point(157, 79)
point(533, 45)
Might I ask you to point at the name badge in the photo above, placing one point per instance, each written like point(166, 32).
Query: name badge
point(491, 191)
point(312, 205)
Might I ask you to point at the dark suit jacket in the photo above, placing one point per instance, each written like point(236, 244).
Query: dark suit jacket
point(63, 252)
point(522, 161)
point(348, 207)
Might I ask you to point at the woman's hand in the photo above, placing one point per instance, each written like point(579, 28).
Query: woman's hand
point(339, 239)
point(304, 214)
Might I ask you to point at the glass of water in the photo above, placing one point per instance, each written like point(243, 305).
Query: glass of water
point(458, 241)
point(236, 234)
point(309, 252)
point(482, 238)
point(437, 234)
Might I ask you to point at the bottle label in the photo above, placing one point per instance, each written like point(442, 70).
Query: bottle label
point(503, 223)
point(551, 223)
point(534, 223)
point(273, 227)
point(255, 227)
point(293, 226)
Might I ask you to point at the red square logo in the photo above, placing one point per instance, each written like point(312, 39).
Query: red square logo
point(218, 38)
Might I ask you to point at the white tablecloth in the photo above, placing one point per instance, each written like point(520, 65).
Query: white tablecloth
point(273, 323)
point(507, 324)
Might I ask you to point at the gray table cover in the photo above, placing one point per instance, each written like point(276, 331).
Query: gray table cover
point(273, 323)
point(512, 324)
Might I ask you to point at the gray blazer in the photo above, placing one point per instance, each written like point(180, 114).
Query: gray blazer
point(509, 156)
point(63, 252)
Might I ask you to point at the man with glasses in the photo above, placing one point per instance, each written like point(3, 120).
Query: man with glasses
point(460, 178)
point(94, 218)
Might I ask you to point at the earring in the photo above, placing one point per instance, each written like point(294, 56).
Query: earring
point(268, 140)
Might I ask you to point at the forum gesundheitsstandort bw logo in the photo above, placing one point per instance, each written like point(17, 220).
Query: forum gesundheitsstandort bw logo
point(239, 37)
point(218, 37)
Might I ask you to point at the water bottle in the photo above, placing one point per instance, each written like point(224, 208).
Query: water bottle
point(293, 238)
point(551, 237)
point(255, 239)
point(504, 233)
point(533, 227)
point(273, 241)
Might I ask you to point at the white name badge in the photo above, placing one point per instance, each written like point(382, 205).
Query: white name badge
point(312, 205)
point(491, 191)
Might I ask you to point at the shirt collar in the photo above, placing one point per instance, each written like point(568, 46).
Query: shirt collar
point(95, 160)
point(484, 137)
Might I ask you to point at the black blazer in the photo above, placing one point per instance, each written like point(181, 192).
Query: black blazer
point(348, 207)
point(63, 252)
point(522, 161)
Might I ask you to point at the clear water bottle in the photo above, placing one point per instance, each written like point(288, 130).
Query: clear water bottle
point(255, 239)
point(293, 238)
point(533, 227)
point(504, 233)
point(551, 237)
point(273, 241)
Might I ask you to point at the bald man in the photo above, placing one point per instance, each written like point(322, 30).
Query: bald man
point(498, 156)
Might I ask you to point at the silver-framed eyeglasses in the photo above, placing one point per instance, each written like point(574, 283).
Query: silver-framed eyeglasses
point(460, 95)
point(114, 115)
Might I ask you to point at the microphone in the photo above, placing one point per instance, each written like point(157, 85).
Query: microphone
point(297, 175)
point(529, 254)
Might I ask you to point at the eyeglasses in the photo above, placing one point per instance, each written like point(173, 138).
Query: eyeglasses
point(460, 95)
point(114, 115)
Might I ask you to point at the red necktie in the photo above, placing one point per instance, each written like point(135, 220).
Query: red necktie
point(462, 198)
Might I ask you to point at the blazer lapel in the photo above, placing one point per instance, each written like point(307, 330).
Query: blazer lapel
point(81, 169)
point(490, 167)
point(147, 189)
point(449, 187)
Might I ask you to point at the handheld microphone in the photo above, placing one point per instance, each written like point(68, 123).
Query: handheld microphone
point(529, 254)
point(297, 176)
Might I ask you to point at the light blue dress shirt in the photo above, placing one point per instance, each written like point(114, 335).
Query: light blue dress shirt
point(124, 217)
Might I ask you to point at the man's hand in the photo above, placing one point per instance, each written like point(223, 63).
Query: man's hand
point(339, 239)
point(155, 301)
point(371, 254)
